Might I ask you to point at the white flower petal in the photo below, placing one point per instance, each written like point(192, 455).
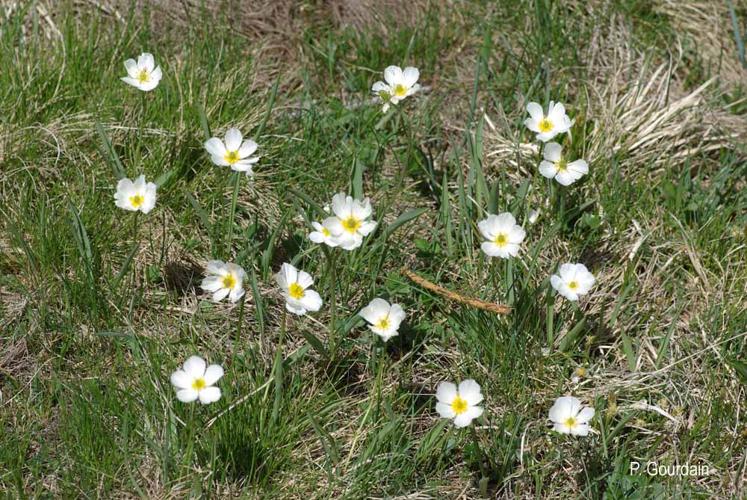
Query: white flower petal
point(468, 416)
point(446, 392)
point(445, 410)
point(233, 139)
point(213, 373)
point(393, 75)
point(186, 395)
point(552, 152)
point(181, 380)
point(195, 366)
point(469, 390)
point(209, 395)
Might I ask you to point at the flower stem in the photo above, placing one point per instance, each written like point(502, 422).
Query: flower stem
point(550, 319)
point(278, 368)
point(232, 213)
point(510, 281)
point(240, 322)
point(332, 290)
point(481, 459)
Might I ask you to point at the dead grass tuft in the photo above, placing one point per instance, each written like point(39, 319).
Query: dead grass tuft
point(707, 26)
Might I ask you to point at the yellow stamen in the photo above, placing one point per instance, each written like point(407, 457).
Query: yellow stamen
point(231, 157)
point(501, 240)
point(143, 76)
point(383, 323)
point(573, 285)
point(459, 405)
point(326, 232)
point(136, 200)
point(399, 90)
point(229, 281)
point(296, 291)
point(199, 383)
point(570, 422)
point(545, 125)
point(562, 165)
point(351, 224)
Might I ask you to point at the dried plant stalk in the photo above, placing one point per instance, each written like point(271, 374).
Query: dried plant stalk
point(456, 297)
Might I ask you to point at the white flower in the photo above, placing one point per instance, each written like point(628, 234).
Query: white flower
point(554, 166)
point(195, 381)
point(141, 73)
point(533, 216)
point(399, 84)
point(503, 234)
point(547, 126)
point(570, 417)
point(351, 221)
point(384, 319)
point(572, 281)
point(295, 287)
point(134, 196)
point(224, 280)
point(327, 232)
point(235, 152)
point(459, 404)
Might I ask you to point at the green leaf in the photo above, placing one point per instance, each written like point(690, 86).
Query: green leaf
point(404, 219)
point(110, 154)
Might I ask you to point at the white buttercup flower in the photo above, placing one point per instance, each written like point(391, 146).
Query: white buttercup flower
point(235, 152)
point(572, 281)
point(570, 417)
point(383, 318)
point(327, 232)
point(555, 166)
point(224, 280)
point(460, 403)
point(397, 85)
point(299, 299)
point(136, 196)
point(351, 222)
point(142, 73)
point(547, 125)
point(196, 380)
point(503, 235)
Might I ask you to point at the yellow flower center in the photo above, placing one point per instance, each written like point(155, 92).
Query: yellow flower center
point(383, 323)
point(570, 422)
point(459, 405)
point(581, 371)
point(351, 224)
point(562, 165)
point(545, 125)
point(143, 76)
point(326, 232)
point(399, 90)
point(573, 285)
point(501, 239)
point(229, 281)
point(136, 200)
point(231, 157)
point(296, 291)
point(198, 383)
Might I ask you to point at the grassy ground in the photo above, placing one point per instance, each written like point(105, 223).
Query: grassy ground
point(98, 307)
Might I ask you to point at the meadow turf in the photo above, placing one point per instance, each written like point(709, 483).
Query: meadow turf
point(99, 306)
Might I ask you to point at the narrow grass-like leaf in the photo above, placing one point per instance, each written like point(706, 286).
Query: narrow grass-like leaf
point(110, 154)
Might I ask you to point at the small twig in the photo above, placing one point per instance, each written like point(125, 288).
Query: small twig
point(472, 302)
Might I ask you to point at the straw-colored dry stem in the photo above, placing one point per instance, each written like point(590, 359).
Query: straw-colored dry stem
point(472, 302)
